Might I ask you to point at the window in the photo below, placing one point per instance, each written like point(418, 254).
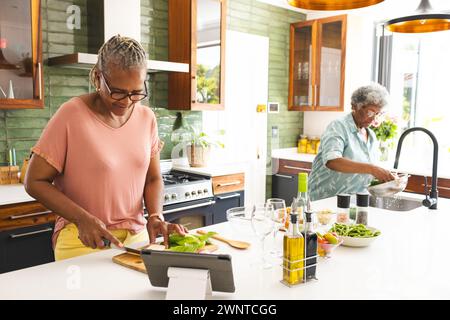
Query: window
point(416, 70)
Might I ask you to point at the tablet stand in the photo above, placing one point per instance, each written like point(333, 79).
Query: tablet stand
point(188, 284)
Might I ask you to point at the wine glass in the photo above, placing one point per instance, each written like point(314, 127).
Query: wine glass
point(279, 217)
point(262, 224)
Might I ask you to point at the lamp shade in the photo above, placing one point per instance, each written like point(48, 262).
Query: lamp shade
point(332, 4)
point(424, 19)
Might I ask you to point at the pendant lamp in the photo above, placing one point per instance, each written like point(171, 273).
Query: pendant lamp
point(332, 4)
point(424, 19)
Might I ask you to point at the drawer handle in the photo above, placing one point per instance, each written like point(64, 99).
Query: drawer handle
point(234, 183)
point(29, 215)
point(297, 168)
point(235, 195)
point(283, 176)
point(20, 235)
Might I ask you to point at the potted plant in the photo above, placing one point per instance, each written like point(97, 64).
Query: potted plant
point(199, 148)
point(385, 130)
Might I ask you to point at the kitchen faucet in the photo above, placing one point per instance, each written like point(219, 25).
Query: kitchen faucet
point(431, 199)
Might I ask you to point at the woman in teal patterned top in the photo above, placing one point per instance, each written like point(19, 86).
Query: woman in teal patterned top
point(348, 148)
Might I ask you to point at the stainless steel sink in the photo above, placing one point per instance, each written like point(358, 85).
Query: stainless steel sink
point(394, 203)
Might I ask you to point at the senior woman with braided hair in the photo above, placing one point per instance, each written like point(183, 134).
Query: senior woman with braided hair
point(98, 159)
point(348, 149)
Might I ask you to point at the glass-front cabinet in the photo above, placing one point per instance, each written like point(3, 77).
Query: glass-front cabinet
point(21, 72)
point(197, 37)
point(317, 64)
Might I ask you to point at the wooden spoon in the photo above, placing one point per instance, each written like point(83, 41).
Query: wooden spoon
point(234, 243)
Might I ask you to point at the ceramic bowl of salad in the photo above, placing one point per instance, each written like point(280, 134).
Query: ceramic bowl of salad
point(356, 235)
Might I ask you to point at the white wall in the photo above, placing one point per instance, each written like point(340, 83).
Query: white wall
point(358, 68)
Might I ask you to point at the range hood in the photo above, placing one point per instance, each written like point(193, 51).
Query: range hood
point(88, 60)
point(128, 25)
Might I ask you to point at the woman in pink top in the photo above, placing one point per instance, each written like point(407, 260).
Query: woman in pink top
point(97, 160)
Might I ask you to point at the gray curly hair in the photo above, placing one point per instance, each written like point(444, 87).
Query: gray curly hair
point(123, 52)
point(372, 94)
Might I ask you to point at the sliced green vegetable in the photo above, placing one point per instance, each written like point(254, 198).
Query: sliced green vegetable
point(188, 242)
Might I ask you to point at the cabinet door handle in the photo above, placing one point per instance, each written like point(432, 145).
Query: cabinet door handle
point(283, 176)
point(315, 95)
point(439, 187)
point(29, 215)
point(190, 207)
point(234, 183)
point(20, 235)
point(234, 195)
point(297, 168)
point(40, 80)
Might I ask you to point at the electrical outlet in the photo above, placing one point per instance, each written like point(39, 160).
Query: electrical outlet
point(274, 132)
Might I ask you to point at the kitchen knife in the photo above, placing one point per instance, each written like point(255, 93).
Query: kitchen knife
point(107, 243)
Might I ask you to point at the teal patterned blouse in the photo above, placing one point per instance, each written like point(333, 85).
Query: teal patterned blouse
point(341, 139)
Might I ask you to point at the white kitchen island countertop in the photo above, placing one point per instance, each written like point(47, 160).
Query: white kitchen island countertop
point(13, 193)
point(408, 261)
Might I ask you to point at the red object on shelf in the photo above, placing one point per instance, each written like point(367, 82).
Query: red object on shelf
point(3, 43)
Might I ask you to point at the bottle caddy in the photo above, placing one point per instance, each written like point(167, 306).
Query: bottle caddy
point(300, 248)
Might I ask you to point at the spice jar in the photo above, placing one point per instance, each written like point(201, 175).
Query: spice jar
point(362, 208)
point(302, 142)
point(343, 208)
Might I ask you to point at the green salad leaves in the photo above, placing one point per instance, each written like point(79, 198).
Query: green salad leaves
point(375, 182)
point(354, 230)
point(188, 242)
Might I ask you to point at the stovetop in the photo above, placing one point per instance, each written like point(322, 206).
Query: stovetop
point(175, 177)
point(182, 187)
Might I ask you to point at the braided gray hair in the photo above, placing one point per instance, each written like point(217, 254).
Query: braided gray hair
point(123, 52)
point(372, 94)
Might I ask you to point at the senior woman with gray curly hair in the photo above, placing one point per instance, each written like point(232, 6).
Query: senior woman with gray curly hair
point(344, 163)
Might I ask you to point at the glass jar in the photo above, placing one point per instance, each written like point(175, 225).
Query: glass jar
point(343, 208)
point(310, 147)
point(362, 208)
point(314, 145)
point(317, 145)
point(302, 142)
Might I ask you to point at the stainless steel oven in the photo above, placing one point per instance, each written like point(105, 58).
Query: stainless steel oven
point(192, 214)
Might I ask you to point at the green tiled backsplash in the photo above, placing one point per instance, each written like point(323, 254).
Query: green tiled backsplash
point(20, 129)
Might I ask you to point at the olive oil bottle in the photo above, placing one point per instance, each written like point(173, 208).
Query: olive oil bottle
point(293, 254)
point(310, 237)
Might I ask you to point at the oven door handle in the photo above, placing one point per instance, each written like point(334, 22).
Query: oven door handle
point(190, 207)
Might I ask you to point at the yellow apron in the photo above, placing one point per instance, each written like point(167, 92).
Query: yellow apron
point(68, 245)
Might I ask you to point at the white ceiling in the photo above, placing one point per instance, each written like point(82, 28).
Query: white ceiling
point(384, 10)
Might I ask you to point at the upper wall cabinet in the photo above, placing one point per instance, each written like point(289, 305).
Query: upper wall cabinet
point(197, 37)
point(317, 64)
point(21, 74)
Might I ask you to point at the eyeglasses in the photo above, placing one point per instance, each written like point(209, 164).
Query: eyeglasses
point(119, 95)
point(372, 114)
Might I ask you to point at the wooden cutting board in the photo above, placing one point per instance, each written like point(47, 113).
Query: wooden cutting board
point(134, 261)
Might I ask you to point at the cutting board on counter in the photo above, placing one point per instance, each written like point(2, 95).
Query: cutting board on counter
point(134, 261)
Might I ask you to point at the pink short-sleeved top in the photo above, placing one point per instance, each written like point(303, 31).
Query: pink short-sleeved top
point(101, 168)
